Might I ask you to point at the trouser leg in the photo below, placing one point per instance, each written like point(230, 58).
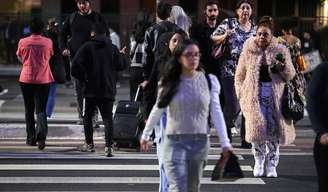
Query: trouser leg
point(29, 103)
point(320, 153)
point(41, 98)
point(90, 105)
point(106, 106)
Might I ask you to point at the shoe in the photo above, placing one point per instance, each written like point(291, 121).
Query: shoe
point(245, 145)
point(79, 122)
point(41, 145)
point(87, 148)
point(108, 152)
point(3, 91)
point(271, 172)
point(31, 143)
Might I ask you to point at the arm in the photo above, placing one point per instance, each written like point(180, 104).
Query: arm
point(217, 114)
point(65, 34)
point(221, 32)
point(288, 71)
point(119, 59)
point(78, 69)
point(148, 54)
point(240, 73)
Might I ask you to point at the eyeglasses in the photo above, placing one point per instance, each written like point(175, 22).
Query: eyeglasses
point(190, 54)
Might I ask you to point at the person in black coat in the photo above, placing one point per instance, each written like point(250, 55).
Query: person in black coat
point(317, 106)
point(96, 64)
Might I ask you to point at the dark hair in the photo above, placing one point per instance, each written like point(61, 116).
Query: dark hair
point(266, 21)
point(171, 74)
point(143, 22)
point(98, 29)
point(289, 23)
point(211, 2)
point(163, 10)
point(81, 0)
point(244, 1)
point(36, 26)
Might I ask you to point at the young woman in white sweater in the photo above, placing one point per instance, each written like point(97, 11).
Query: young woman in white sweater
point(184, 92)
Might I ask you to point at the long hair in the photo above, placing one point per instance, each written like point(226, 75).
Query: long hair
point(180, 18)
point(171, 74)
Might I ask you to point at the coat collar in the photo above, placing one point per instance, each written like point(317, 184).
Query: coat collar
point(252, 47)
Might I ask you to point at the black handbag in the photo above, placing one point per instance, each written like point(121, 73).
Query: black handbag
point(57, 67)
point(292, 104)
point(227, 168)
point(222, 50)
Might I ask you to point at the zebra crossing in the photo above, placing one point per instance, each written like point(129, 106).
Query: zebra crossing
point(62, 164)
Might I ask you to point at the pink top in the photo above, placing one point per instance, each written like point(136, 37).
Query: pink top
point(35, 52)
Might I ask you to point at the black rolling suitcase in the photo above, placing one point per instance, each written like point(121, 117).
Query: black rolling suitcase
point(128, 123)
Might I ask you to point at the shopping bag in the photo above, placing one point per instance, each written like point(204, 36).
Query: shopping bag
point(227, 168)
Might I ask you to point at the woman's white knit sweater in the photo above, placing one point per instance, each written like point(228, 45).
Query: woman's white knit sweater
point(188, 111)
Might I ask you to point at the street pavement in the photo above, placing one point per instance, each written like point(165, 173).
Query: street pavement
point(61, 167)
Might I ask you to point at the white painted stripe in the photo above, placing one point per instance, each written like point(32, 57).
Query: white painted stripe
point(1, 103)
point(88, 167)
point(116, 180)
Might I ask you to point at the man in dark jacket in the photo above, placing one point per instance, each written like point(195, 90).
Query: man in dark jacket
point(151, 36)
point(75, 32)
point(317, 105)
point(95, 65)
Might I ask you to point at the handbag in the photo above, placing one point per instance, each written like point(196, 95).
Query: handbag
point(57, 67)
point(227, 168)
point(292, 104)
point(301, 62)
point(222, 50)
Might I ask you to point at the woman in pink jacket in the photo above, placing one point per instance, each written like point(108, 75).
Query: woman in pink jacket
point(34, 52)
point(259, 82)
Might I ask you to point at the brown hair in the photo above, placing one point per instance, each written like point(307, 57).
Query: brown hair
point(266, 21)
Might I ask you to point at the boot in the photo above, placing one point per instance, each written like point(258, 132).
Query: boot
point(271, 170)
point(258, 167)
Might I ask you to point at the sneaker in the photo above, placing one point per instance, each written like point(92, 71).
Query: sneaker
point(31, 143)
point(79, 122)
point(87, 148)
point(245, 145)
point(41, 145)
point(96, 126)
point(108, 152)
point(3, 91)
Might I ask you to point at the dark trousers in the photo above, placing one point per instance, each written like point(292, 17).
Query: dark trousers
point(105, 106)
point(35, 99)
point(11, 48)
point(79, 88)
point(320, 153)
point(135, 79)
point(242, 128)
point(231, 104)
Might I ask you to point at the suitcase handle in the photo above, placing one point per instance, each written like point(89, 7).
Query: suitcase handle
point(137, 94)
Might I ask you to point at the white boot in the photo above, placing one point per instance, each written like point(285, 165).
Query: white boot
point(258, 167)
point(271, 171)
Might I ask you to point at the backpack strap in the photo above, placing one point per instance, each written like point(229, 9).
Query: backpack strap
point(209, 88)
point(208, 81)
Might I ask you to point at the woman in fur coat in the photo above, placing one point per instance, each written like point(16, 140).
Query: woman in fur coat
point(259, 81)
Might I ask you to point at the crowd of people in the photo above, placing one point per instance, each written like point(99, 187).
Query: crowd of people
point(186, 88)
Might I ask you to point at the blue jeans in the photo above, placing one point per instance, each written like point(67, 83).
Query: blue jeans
point(51, 99)
point(184, 159)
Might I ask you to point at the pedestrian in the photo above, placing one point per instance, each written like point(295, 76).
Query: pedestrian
point(96, 64)
point(259, 82)
point(234, 32)
point(75, 32)
point(151, 36)
point(137, 50)
point(170, 39)
point(317, 105)
point(184, 92)
point(34, 52)
point(180, 18)
point(11, 36)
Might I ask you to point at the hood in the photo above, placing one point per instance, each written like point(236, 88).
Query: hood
point(102, 40)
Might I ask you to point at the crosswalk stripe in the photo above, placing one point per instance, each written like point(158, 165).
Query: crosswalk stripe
point(88, 167)
point(116, 180)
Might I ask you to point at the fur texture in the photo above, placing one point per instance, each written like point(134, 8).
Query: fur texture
point(247, 90)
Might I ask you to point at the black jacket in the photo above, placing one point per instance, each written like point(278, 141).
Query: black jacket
point(96, 64)
point(77, 28)
point(202, 34)
point(151, 37)
point(317, 99)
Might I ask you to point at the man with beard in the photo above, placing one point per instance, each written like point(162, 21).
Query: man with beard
point(76, 31)
point(202, 34)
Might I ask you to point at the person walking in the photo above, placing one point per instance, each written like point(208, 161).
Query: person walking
point(151, 53)
point(259, 82)
point(95, 64)
point(75, 32)
point(184, 92)
point(234, 32)
point(34, 52)
point(317, 105)
point(180, 18)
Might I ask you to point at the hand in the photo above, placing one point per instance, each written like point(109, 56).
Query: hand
point(145, 145)
point(124, 50)
point(324, 139)
point(66, 53)
point(277, 66)
point(228, 32)
point(144, 84)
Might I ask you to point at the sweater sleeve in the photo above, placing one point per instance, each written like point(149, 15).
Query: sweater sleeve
point(153, 119)
point(216, 113)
